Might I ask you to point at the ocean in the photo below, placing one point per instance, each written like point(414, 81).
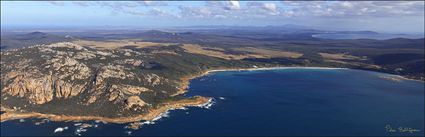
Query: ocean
point(279, 102)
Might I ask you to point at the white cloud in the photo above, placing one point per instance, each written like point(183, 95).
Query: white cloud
point(243, 10)
point(195, 12)
point(270, 6)
point(123, 7)
point(153, 3)
point(232, 5)
point(357, 8)
point(346, 4)
point(261, 9)
point(57, 3)
point(155, 12)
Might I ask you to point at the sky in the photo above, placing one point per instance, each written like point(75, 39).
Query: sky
point(381, 16)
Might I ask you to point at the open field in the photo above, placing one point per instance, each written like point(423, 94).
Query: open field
point(268, 53)
point(113, 44)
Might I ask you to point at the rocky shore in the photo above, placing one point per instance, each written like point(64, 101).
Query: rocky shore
point(153, 113)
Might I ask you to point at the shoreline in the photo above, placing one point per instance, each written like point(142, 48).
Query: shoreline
point(186, 80)
point(398, 78)
point(271, 68)
point(195, 101)
point(323, 68)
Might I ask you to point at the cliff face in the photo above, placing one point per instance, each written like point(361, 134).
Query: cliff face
point(51, 75)
point(41, 89)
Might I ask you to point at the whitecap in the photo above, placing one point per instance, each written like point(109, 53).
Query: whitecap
point(208, 104)
point(59, 129)
point(77, 124)
point(167, 113)
point(128, 132)
point(164, 114)
point(146, 123)
point(81, 128)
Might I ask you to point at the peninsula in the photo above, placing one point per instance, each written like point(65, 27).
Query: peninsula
point(135, 78)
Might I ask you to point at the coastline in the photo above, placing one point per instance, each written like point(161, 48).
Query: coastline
point(271, 68)
point(186, 80)
point(156, 112)
point(326, 68)
point(151, 115)
point(398, 78)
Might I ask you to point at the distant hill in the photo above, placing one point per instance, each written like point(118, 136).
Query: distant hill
point(405, 43)
point(29, 39)
point(357, 32)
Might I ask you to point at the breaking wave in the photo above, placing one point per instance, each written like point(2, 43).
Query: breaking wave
point(206, 105)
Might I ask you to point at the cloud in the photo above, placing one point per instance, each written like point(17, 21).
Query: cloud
point(223, 5)
point(154, 3)
point(269, 6)
point(356, 8)
point(261, 9)
point(123, 7)
point(212, 10)
point(232, 5)
point(82, 4)
point(258, 8)
point(57, 3)
point(154, 12)
point(198, 12)
point(346, 4)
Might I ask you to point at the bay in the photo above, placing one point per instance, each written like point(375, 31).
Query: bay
point(279, 102)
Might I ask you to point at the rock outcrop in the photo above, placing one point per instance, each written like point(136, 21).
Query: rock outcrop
point(39, 89)
point(66, 79)
point(66, 70)
point(134, 101)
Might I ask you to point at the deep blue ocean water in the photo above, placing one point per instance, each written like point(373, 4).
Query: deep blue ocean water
point(285, 102)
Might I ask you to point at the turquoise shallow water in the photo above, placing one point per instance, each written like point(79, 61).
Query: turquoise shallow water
point(284, 102)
